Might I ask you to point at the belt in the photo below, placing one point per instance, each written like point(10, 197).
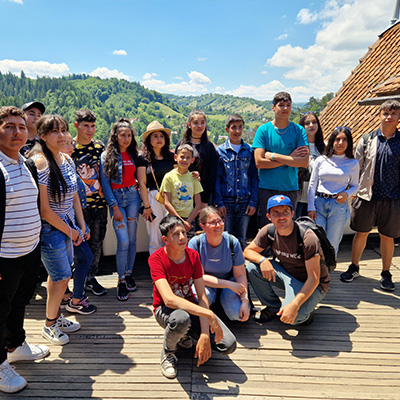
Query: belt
point(325, 195)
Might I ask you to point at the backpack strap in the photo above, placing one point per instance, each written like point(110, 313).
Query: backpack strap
point(231, 246)
point(2, 203)
point(30, 164)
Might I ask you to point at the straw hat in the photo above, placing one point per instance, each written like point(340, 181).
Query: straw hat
point(153, 127)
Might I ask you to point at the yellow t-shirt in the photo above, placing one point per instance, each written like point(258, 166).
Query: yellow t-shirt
point(183, 188)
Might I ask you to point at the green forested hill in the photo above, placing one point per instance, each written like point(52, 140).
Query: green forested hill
point(114, 98)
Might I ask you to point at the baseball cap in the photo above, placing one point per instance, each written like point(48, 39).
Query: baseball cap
point(40, 106)
point(279, 200)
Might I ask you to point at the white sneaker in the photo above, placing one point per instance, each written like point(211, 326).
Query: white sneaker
point(168, 365)
point(66, 325)
point(54, 335)
point(10, 381)
point(27, 352)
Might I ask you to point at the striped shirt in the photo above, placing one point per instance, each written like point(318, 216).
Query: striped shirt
point(64, 208)
point(22, 220)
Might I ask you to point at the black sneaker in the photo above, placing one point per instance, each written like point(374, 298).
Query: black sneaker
point(386, 281)
point(130, 283)
point(95, 287)
point(352, 272)
point(122, 291)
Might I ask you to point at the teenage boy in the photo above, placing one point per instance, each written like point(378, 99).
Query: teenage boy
point(280, 147)
point(33, 112)
point(236, 189)
point(378, 199)
point(87, 160)
point(175, 270)
point(180, 189)
point(301, 275)
point(19, 247)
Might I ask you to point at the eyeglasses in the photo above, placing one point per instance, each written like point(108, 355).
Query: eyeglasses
point(215, 223)
point(343, 128)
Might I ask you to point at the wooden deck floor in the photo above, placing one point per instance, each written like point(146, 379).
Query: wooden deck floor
point(351, 351)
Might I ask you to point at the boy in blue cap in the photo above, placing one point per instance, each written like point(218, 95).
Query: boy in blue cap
point(302, 275)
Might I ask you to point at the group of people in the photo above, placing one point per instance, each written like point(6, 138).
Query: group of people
point(56, 189)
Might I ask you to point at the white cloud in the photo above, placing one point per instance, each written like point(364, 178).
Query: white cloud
point(263, 92)
point(282, 37)
point(179, 78)
point(219, 89)
point(199, 78)
point(305, 16)
point(149, 75)
point(264, 72)
point(196, 84)
point(348, 27)
point(16, 1)
point(201, 59)
point(105, 73)
point(32, 69)
point(120, 52)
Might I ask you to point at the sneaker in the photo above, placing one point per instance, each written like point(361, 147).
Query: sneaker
point(82, 307)
point(95, 287)
point(386, 281)
point(122, 291)
point(130, 283)
point(168, 365)
point(352, 272)
point(186, 342)
point(10, 381)
point(64, 303)
point(66, 325)
point(27, 352)
point(54, 334)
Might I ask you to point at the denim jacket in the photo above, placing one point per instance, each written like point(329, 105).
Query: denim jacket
point(81, 191)
point(237, 175)
point(106, 182)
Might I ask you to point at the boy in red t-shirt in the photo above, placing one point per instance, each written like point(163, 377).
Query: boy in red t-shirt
point(174, 269)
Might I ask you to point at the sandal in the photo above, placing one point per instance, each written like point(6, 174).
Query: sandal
point(265, 315)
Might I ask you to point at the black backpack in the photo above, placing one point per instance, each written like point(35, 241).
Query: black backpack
point(305, 223)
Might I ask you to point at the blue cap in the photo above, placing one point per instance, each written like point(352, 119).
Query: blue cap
point(279, 200)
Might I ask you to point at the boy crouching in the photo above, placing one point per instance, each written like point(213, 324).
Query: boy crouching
point(174, 269)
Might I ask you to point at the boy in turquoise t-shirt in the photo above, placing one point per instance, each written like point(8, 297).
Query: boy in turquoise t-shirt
point(180, 188)
point(280, 147)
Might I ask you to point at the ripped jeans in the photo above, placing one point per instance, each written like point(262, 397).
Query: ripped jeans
point(128, 203)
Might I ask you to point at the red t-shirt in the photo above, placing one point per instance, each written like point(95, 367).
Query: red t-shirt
point(179, 276)
point(128, 172)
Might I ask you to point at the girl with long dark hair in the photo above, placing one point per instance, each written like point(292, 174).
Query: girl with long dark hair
point(207, 160)
point(155, 161)
point(310, 122)
point(120, 188)
point(63, 224)
point(334, 179)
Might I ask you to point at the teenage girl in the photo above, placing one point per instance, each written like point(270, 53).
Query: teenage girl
point(207, 159)
point(310, 122)
point(63, 224)
point(333, 181)
point(155, 161)
point(120, 188)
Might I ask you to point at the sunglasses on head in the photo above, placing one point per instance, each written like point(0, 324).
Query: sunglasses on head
point(343, 128)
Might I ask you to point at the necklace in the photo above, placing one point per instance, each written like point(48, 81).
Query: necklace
point(279, 130)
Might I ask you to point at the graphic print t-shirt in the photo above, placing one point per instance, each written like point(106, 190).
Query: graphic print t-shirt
point(87, 161)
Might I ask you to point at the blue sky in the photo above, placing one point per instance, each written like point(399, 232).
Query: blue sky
point(248, 48)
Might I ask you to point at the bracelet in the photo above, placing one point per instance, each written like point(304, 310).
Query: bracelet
point(264, 258)
point(272, 156)
point(147, 208)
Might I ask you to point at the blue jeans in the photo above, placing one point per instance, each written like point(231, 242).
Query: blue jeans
point(128, 203)
point(84, 258)
point(333, 217)
point(56, 252)
point(266, 294)
point(237, 221)
point(229, 300)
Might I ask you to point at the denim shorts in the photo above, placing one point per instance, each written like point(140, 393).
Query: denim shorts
point(57, 252)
